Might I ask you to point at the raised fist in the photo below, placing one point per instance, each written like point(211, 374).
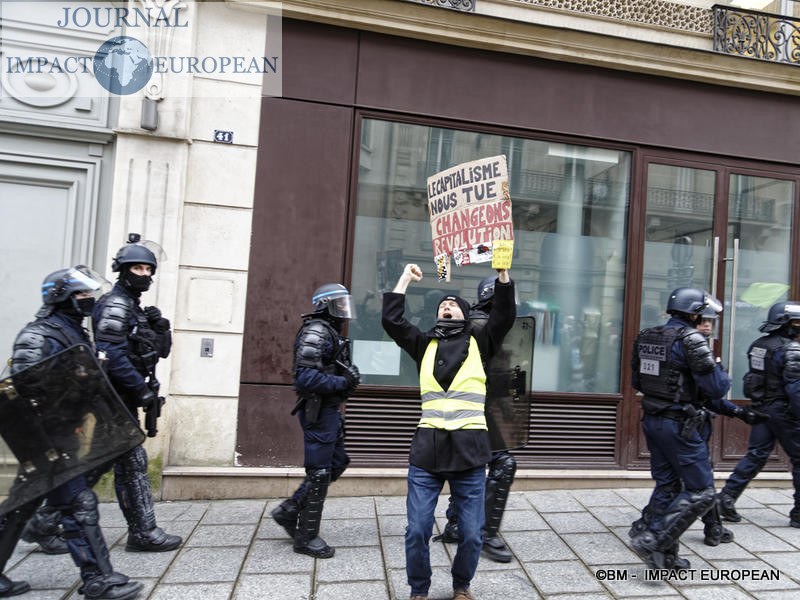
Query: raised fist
point(413, 272)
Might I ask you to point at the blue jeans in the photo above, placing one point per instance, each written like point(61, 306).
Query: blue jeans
point(467, 489)
point(781, 428)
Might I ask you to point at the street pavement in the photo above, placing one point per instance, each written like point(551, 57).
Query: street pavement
point(567, 544)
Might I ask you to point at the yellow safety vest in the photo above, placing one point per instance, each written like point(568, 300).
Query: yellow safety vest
point(460, 407)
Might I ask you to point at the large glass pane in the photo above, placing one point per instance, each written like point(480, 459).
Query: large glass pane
point(679, 226)
point(760, 220)
point(570, 207)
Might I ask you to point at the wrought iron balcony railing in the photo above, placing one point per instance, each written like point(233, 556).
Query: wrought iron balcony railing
point(755, 34)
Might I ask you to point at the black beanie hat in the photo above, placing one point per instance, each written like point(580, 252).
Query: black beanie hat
point(462, 304)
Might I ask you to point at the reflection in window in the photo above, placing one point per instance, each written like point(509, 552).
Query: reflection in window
point(570, 208)
point(679, 230)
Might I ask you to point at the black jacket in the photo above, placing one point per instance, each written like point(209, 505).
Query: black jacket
point(437, 450)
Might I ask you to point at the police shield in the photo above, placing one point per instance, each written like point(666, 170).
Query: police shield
point(60, 418)
point(508, 383)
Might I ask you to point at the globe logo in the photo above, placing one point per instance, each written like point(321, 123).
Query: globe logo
point(123, 65)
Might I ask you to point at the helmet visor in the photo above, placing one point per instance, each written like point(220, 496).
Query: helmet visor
point(342, 307)
point(713, 303)
point(86, 279)
point(156, 249)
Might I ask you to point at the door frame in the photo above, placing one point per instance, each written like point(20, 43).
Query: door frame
point(636, 454)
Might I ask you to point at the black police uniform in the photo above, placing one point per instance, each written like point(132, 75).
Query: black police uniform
point(323, 378)
point(133, 341)
point(73, 504)
point(773, 384)
point(671, 365)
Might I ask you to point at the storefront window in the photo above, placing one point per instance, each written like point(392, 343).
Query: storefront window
point(570, 205)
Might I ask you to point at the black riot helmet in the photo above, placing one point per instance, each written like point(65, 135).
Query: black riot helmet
point(780, 315)
point(59, 289)
point(334, 299)
point(687, 300)
point(486, 288)
point(135, 253)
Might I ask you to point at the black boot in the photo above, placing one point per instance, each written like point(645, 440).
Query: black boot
point(12, 588)
point(89, 551)
point(155, 540)
point(132, 485)
point(495, 549)
point(11, 526)
point(498, 485)
point(713, 531)
point(285, 515)
point(794, 517)
point(108, 587)
point(715, 534)
point(44, 528)
point(675, 562)
point(450, 535)
point(306, 537)
point(727, 508)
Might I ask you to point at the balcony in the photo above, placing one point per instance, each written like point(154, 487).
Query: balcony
point(752, 34)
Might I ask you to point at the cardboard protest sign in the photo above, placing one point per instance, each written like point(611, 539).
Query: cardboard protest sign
point(470, 209)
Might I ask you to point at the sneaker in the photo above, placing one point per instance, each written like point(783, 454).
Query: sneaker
point(462, 595)
point(727, 508)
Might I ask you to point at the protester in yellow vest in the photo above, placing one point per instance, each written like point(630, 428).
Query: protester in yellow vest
point(451, 442)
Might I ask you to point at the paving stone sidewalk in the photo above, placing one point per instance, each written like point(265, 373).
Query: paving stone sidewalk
point(569, 544)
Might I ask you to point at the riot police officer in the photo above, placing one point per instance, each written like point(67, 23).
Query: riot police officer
point(133, 339)
point(673, 366)
point(324, 376)
point(68, 299)
point(713, 531)
point(502, 465)
point(773, 384)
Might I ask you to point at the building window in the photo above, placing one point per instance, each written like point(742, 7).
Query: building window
point(570, 205)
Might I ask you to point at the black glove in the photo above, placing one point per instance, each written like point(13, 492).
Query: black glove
point(751, 416)
point(146, 398)
point(352, 376)
point(157, 322)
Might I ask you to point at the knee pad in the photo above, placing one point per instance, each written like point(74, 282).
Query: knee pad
point(702, 500)
point(317, 476)
point(503, 468)
point(84, 508)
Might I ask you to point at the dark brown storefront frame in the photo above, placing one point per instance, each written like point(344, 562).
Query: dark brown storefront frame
point(340, 75)
point(729, 441)
point(630, 447)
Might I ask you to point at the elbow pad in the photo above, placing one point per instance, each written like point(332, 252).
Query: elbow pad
point(699, 356)
point(791, 368)
point(111, 324)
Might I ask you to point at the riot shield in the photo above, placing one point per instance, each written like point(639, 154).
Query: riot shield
point(508, 384)
point(60, 418)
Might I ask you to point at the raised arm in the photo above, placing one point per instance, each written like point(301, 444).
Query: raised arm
point(411, 273)
point(406, 335)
